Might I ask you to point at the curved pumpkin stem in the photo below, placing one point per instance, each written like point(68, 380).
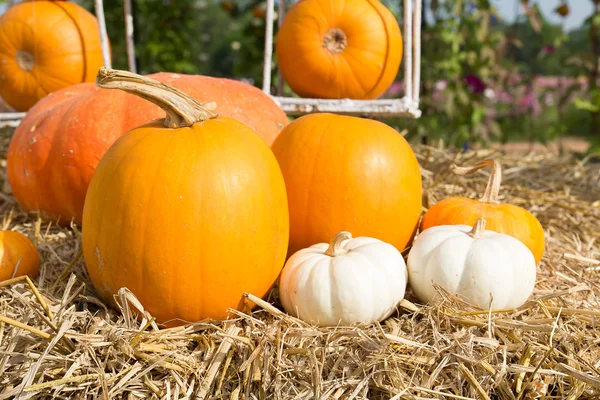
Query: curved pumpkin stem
point(478, 229)
point(182, 110)
point(335, 246)
point(493, 186)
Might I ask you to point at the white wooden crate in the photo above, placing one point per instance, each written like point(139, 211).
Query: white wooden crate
point(406, 106)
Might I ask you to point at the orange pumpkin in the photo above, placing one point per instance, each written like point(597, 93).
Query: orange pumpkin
point(351, 174)
point(46, 46)
point(500, 217)
point(339, 48)
point(56, 148)
point(18, 256)
point(187, 212)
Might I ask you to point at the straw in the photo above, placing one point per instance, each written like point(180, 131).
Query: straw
point(58, 340)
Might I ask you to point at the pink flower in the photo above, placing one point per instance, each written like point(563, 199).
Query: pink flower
point(547, 49)
point(394, 90)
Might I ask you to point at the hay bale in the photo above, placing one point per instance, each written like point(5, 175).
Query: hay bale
point(68, 344)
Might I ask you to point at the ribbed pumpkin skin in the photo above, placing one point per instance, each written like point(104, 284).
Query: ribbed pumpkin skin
point(56, 148)
point(16, 248)
point(500, 217)
point(46, 46)
point(188, 219)
point(348, 174)
point(364, 69)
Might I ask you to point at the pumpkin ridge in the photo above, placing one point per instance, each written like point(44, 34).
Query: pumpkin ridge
point(307, 214)
point(440, 249)
point(30, 158)
point(147, 209)
point(36, 72)
point(314, 269)
point(352, 71)
point(106, 194)
point(10, 38)
point(84, 56)
point(375, 4)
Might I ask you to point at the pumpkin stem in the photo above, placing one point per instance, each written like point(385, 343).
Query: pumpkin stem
point(335, 41)
point(478, 229)
point(493, 186)
point(335, 246)
point(182, 110)
point(25, 60)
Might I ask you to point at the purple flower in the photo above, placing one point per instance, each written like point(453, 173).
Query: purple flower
point(547, 49)
point(474, 83)
point(530, 103)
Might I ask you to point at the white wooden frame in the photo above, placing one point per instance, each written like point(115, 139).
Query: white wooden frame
point(407, 106)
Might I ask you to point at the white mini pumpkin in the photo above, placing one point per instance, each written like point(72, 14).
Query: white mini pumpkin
point(358, 280)
point(473, 263)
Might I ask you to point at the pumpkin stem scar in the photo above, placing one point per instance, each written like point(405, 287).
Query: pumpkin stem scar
point(25, 60)
point(335, 246)
point(478, 229)
point(182, 110)
point(493, 186)
point(335, 41)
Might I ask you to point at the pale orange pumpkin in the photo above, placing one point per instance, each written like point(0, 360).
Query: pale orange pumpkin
point(18, 256)
point(347, 173)
point(500, 217)
point(56, 148)
point(339, 48)
point(45, 46)
point(187, 212)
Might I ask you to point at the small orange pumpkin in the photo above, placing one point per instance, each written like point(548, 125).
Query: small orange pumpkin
point(188, 212)
point(18, 256)
point(500, 217)
point(46, 46)
point(339, 48)
point(348, 173)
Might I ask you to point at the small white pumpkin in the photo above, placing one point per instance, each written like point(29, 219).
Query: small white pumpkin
point(473, 263)
point(358, 280)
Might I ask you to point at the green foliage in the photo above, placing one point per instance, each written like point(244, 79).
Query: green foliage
point(459, 46)
point(186, 36)
point(528, 53)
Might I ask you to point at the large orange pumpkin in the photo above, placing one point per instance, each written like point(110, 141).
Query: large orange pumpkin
point(500, 217)
point(55, 149)
point(339, 48)
point(18, 256)
point(351, 174)
point(46, 46)
point(188, 212)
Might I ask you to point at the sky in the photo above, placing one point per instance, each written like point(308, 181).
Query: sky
point(579, 11)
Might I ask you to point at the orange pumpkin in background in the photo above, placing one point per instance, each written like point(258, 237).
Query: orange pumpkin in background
point(188, 212)
point(337, 49)
point(46, 46)
point(18, 256)
point(346, 173)
point(500, 217)
point(56, 148)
